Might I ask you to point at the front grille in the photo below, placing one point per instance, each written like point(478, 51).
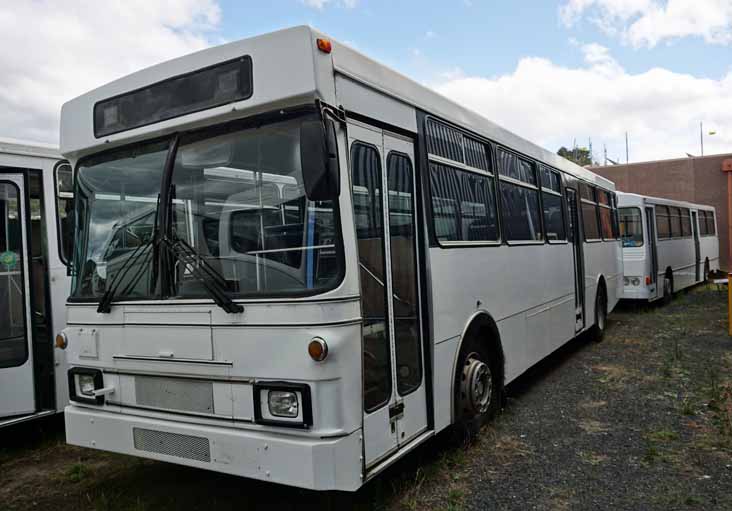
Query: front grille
point(174, 394)
point(172, 444)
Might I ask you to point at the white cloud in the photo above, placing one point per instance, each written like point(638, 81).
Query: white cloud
point(648, 22)
point(320, 4)
point(54, 51)
point(553, 105)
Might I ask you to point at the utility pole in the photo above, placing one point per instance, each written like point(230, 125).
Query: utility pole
point(589, 141)
point(701, 136)
point(627, 151)
point(604, 153)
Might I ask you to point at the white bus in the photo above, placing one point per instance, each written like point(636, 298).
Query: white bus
point(668, 245)
point(331, 264)
point(36, 231)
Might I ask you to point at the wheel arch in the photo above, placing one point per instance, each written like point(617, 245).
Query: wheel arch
point(480, 325)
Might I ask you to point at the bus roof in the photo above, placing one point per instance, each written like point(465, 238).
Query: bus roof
point(636, 199)
point(288, 69)
point(27, 148)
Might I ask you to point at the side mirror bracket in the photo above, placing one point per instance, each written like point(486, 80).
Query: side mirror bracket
point(319, 159)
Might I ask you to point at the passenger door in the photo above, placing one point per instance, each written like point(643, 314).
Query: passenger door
point(579, 273)
point(697, 248)
point(652, 251)
point(383, 189)
point(17, 394)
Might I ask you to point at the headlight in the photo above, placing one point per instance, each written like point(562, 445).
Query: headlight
point(626, 281)
point(283, 403)
point(635, 281)
point(83, 383)
point(86, 384)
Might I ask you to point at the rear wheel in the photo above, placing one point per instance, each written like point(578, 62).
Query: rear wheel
point(706, 271)
point(478, 390)
point(668, 289)
point(598, 330)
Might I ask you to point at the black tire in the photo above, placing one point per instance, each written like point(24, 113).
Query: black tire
point(668, 289)
point(706, 271)
point(468, 420)
point(598, 329)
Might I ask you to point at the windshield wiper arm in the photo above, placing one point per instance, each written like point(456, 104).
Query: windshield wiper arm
point(203, 271)
point(106, 300)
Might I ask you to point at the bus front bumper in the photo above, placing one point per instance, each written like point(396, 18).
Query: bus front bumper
point(312, 463)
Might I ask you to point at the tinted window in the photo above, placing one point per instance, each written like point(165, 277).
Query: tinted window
point(444, 141)
point(662, 222)
point(512, 166)
point(407, 343)
point(65, 210)
point(13, 345)
point(589, 212)
point(368, 213)
point(685, 223)
point(519, 201)
point(552, 204)
point(710, 223)
point(675, 219)
point(463, 205)
point(631, 227)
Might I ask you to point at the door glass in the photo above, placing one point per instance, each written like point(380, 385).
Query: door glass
point(13, 347)
point(368, 215)
point(404, 273)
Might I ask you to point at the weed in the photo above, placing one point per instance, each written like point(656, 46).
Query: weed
point(662, 436)
point(77, 472)
point(687, 407)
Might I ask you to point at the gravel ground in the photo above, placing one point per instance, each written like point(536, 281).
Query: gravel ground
point(642, 420)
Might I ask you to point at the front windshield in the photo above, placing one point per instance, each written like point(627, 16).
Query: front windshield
point(631, 227)
point(238, 200)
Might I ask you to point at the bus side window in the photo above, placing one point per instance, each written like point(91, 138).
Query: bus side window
point(551, 197)
point(590, 216)
point(519, 198)
point(663, 227)
point(65, 210)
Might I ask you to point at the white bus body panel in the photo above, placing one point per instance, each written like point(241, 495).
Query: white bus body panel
point(15, 154)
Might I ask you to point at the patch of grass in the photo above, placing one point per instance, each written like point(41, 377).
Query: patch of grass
point(592, 458)
point(77, 472)
point(592, 426)
point(662, 436)
point(687, 406)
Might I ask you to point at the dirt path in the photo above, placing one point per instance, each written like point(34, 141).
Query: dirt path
point(640, 421)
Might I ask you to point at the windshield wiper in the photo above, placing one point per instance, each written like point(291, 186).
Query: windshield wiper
point(106, 300)
point(202, 270)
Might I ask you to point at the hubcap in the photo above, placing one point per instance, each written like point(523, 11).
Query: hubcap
point(476, 387)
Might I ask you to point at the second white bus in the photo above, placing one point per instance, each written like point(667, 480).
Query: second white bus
point(668, 245)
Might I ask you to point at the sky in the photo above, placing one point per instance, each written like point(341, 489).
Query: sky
point(558, 73)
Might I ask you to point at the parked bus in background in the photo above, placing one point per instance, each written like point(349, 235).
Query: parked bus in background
point(667, 245)
point(289, 252)
point(36, 232)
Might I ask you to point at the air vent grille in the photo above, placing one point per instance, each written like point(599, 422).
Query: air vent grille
point(172, 444)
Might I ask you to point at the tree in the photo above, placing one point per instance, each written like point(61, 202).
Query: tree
point(578, 155)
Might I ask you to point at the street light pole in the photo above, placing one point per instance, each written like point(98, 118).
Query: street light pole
point(701, 136)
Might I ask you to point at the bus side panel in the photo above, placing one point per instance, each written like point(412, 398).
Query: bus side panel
point(526, 289)
point(677, 254)
point(602, 259)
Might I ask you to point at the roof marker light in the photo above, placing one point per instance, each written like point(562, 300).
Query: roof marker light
point(324, 45)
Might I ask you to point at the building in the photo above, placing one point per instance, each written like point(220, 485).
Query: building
point(694, 179)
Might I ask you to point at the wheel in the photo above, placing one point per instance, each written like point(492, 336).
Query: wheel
point(478, 391)
point(668, 289)
point(705, 278)
point(598, 330)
